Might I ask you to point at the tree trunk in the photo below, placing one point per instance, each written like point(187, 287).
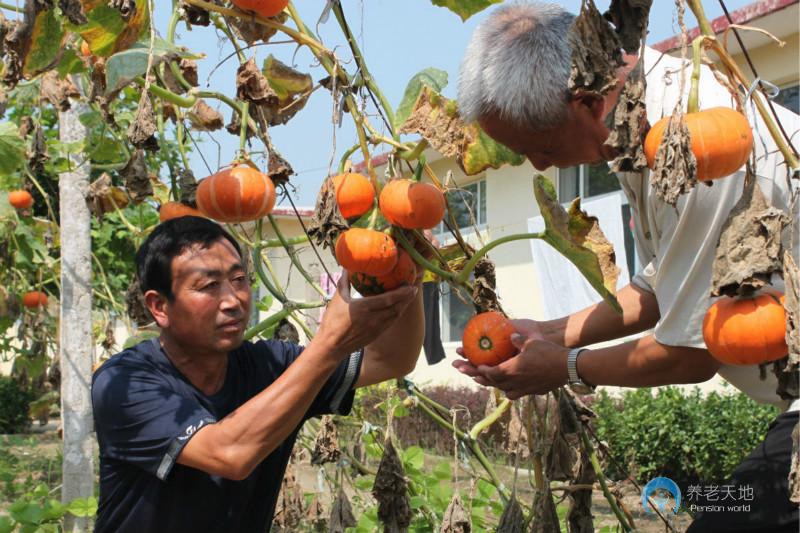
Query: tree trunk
point(76, 344)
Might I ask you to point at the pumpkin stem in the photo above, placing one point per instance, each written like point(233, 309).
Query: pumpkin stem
point(693, 106)
point(420, 165)
point(485, 343)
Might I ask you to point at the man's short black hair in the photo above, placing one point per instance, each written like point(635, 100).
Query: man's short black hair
point(170, 239)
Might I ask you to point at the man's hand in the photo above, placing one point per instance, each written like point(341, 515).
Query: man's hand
point(350, 324)
point(539, 368)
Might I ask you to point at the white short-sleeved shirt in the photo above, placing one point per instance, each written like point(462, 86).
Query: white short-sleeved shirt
point(678, 246)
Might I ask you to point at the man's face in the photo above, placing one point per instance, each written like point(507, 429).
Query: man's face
point(577, 139)
point(212, 299)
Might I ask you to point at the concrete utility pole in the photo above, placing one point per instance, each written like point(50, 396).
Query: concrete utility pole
point(76, 344)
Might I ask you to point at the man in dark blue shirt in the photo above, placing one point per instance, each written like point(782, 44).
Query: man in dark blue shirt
point(196, 427)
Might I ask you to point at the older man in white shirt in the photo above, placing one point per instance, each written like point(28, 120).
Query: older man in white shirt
point(514, 84)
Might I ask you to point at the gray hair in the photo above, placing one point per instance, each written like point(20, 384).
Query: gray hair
point(517, 64)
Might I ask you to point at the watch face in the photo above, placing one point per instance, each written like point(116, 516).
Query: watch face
point(581, 388)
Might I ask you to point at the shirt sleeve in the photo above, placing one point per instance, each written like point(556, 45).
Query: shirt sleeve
point(142, 421)
point(645, 278)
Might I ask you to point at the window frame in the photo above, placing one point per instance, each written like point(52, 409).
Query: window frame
point(444, 235)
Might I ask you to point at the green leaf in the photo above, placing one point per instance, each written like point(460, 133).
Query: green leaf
point(578, 237)
point(414, 457)
point(465, 8)
point(46, 41)
point(12, 148)
point(26, 512)
point(364, 482)
point(70, 63)
point(6, 524)
point(107, 150)
point(124, 66)
point(54, 509)
point(139, 337)
point(443, 470)
point(83, 506)
point(431, 77)
point(486, 489)
point(265, 303)
point(481, 152)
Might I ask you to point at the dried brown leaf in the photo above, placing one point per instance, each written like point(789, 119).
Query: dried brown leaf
point(315, 515)
point(252, 85)
point(629, 120)
point(341, 514)
point(126, 8)
point(791, 278)
point(630, 18)
point(513, 519)
point(252, 32)
point(545, 517)
point(141, 132)
point(135, 306)
point(391, 492)
point(484, 293)
point(289, 508)
point(188, 187)
point(579, 515)
point(440, 125)
point(675, 168)
point(205, 118)
point(326, 445)
point(37, 156)
point(596, 52)
point(57, 91)
point(749, 246)
point(137, 177)
point(73, 10)
point(188, 68)
point(327, 222)
point(197, 15)
point(794, 473)
point(278, 169)
point(456, 518)
point(517, 435)
point(103, 197)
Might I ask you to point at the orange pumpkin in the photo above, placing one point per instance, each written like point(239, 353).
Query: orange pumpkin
point(34, 299)
point(487, 339)
point(236, 194)
point(747, 330)
point(404, 273)
point(171, 210)
point(412, 205)
point(20, 199)
point(721, 141)
point(265, 8)
point(354, 194)
point(366, 251)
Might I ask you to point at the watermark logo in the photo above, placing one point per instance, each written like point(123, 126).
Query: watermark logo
point(662, 491)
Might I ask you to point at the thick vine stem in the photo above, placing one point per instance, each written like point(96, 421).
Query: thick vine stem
point(493, 417)
point(343, 161)
point(789, 156)
point(299, 266)
point(463, 276)
point(421, 261)
point(693, 105)
point(167, 95)
point(267, 323)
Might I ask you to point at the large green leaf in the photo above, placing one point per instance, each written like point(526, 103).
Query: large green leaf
point(436, 118)
point(46, 47)
point(107, 32)
point(431, 77)
point(123, 67)
point(12, 148)
point(578, 237)
point(83, 506)
point(465, 8)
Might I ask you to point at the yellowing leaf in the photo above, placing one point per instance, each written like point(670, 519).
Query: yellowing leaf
point(481, 152)
point(578, 237)
point(465, 8)
point(107, 32)
point(46, 44)
point(287, 82)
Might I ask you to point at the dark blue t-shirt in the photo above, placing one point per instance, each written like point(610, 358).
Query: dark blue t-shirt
point(145, 411)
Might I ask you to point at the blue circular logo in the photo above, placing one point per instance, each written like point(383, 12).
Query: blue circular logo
point(660, 489)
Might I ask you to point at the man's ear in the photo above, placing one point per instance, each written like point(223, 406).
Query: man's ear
point(583, 102)
point(156, 303)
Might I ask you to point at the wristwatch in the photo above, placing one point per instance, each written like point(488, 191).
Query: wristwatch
point(575, 382)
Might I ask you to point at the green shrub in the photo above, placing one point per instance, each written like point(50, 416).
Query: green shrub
point(14, 402)
point(687, 437)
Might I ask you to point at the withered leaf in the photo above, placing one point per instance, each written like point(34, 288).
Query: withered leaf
point(794, 473)
point(749, 246)
point(126, 8)
point(57, 91)
point(517, 442)
point(315, 515)
point(675, 168)
point(513, 519)
point(204, 118)
point(141, 132)
point(252, 85)
point(73, 10)
point(137, 177)
point(135, 306)
point(440, 124)
point(579, 515)
point(484, 294)
point(327, 222)
point(630, 18)
point(286, 331)
point(103, 197)
point(188, 187)
point(16, 37)
point(545, 517)
point(456, 518)
point(341, 514)
point(197, 15)
point(791, 278)
point(289, 508)
point(26, 126)
point(391, 492)
point(252, 32)
point(629, 120)
point(292, 88)
point(278, 169)
point(596, 52)
point(788, 378)
point(38, 152)
point(188, 69)
point(326, 445)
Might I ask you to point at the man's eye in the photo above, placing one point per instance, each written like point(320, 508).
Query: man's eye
point(210, 286)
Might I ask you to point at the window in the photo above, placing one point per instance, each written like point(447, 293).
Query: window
point(587, 181)
point(789, 97)
point(468, 205)
point(455, 313)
